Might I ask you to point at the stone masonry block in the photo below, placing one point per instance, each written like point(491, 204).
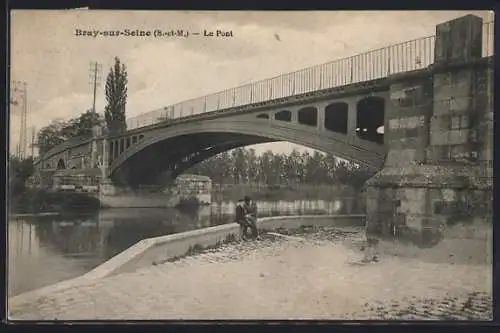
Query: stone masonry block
point(460, 104)
point(414, 202)
point(441, 107)
point(462, 79)
point(440, 123)
point(400, 157)
point(459, 40)
point(412, 142)
point(439, 138)
point(394, 123)
point(372, 192)
point(460, 152)
point(442, 80)
point(409, 94)
point(435, 194)
point(411, 133)
point(461, 89)
point(414, 222)
point(456, 137)
point(453, 83)
point(448, 194)
point(438, 153)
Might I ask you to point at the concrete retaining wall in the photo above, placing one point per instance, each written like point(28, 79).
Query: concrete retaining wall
point(147, 251)
point(158, 249)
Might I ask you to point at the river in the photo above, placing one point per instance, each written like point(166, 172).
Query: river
point(46, 250)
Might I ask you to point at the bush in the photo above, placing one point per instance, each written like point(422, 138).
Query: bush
point(188, 204)
point(35, 201)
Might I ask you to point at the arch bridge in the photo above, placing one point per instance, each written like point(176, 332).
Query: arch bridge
point(352, 108)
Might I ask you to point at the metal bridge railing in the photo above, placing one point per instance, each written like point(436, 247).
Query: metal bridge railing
point(375, 64)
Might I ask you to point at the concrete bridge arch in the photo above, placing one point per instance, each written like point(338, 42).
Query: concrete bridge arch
point(183, 145)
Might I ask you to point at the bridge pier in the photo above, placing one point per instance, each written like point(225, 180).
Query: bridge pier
point(352, 118)
point(106, 186)
point(439, 133)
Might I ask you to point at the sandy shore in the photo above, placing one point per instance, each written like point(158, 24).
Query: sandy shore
point(317, 276)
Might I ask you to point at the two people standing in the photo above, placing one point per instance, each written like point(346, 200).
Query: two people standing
point(246, 217)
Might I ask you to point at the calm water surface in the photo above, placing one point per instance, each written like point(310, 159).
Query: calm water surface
point(45, 250)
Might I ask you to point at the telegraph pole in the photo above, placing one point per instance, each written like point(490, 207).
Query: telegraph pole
point(33, 134)
point(22, 87)
point(95, 79)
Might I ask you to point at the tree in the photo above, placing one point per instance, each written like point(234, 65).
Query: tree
point(59, 131)
point(19, 172)
point(116, 97)
point(50, 136)
point(240, 162)
point(86, 122)
point(273, 169)
point(251, 158)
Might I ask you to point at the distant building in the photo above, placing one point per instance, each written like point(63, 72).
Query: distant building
point(188, 185)
point(86, 180)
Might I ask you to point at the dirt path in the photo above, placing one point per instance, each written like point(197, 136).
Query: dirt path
point(284, 279)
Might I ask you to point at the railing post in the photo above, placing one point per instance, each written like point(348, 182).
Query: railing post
point(321, 77)
point(352, 70)
point(234, 97)
point(389, 61)
point(205, 104)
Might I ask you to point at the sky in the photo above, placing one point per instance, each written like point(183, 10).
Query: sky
point(54, 62)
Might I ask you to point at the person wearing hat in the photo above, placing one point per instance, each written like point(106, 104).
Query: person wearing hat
point(246, 217)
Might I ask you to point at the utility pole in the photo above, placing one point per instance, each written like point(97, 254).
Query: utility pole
point(21, 87)
point(95, 79)
point(33, 134)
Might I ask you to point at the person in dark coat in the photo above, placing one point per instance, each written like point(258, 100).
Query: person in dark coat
point(246, 218)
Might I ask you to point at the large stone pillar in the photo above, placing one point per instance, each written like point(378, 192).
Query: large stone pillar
point(96, 132)
point(321, 110)
point(432, 174)
point(105, 158)
point(352, 118)
point(106, 187)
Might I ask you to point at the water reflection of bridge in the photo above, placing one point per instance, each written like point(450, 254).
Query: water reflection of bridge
point(110, 231)
point(65, 247)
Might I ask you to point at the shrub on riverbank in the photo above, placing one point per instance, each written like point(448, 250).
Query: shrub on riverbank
point(34, 201)
point(188, 204)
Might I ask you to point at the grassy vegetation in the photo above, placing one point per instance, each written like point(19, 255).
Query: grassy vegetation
point(198, 248)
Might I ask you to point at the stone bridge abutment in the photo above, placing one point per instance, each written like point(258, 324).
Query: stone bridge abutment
point(438, 167)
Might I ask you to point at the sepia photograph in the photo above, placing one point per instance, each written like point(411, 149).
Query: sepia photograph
point(250, 165)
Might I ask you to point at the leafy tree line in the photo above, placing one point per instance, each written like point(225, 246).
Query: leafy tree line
point(244, 166)
point(19, 172)
point(114, 114)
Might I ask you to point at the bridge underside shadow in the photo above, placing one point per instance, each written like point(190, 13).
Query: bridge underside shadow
point(165, 160)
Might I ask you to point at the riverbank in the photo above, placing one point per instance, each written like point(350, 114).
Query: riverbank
point(316, 274)
point(36, 202)
point(285, 193)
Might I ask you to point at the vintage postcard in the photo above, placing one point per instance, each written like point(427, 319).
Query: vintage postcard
point(332, 165)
